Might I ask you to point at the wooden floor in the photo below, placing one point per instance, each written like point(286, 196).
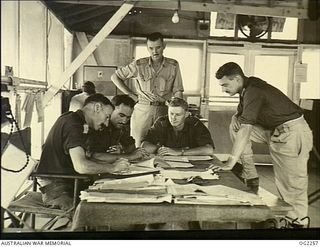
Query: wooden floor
point(267, 182)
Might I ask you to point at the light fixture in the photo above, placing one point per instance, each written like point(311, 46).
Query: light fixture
point(175, 18)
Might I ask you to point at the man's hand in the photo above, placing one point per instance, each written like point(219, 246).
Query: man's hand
point(229, 164)
point(235, 125)
point(139, 153)
point(168, 151)
point(116, 149)
point(121, 166)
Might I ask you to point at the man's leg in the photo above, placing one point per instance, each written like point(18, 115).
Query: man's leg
point(290, 153)
point(249, 173)
point(141, 122)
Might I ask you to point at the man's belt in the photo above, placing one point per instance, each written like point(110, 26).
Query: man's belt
point(154, 103)
point(290, 123)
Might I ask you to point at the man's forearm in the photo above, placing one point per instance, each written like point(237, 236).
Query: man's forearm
point(202, 150)
point(241, 140)
point(120, 84)
point(149, 147)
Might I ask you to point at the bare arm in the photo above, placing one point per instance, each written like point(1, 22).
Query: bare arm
point(122, 86)
point(201, 150)
point(242, 138)
point(178, 94)
point(84, 166)
point(149, 147)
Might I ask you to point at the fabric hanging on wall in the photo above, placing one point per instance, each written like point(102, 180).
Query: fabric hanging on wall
point(28, 108)
point(39, 106)
point(18, 109)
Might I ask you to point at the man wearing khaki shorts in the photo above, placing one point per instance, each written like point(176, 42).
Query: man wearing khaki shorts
point(158, 78)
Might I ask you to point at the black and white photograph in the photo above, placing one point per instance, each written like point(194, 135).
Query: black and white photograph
point(160, 120)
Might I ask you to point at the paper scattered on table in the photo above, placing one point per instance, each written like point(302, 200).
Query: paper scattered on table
point(185, 174)
point(213, 194)
point(141, 167)
point(124, 197)
point(175, 158)
point(199, 157)
point(177, 164)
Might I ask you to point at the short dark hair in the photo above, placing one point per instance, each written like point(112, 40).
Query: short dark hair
point(155, 36)
point(175, 101)
point(89, 87)
point(229, 69)
point(123, 99)
point(98, 98)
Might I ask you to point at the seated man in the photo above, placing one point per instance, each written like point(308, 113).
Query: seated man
point(178, 133)
point(77, 101)
point(114, 141)
point(64, 152)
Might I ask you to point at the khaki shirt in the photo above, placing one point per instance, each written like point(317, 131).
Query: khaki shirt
point(153, 85)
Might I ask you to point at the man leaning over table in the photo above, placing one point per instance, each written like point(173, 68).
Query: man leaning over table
point(178, 133)
point(64, 151)
point(114, 141)
point(158, 78)
point(266, 115)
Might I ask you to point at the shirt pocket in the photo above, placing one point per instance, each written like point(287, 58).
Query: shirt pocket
point(165, 85)
point(286, 143)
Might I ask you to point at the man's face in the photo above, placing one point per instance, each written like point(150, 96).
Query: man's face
point(155, 49)
point(101, 115)
point(121, 115)
point(177, 115)
point(231, 84)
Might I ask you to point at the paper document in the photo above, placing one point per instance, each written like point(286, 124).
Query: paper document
point(175, 158)
point(177, 164)
point(199, 157)
point(124, 197)
point(185, 174)
point(213, 194)
point(141, 167)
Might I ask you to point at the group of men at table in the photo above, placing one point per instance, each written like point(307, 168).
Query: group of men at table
point(97, 138)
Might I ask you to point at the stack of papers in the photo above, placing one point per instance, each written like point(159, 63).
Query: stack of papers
point(140, 189)
point(187, 174)
point(146, 166)
point(214, 194)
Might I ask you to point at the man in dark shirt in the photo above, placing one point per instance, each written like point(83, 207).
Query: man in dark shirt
point(114, 141)
point(268, 116)
point(64, 152)
point(178, 133)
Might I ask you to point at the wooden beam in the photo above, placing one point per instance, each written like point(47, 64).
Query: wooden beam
point(81, 11)
point(244, 9)
point(83, 41)
point(81, 58)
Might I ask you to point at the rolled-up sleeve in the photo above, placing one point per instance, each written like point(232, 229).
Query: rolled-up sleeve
point(252, 102)
point(128, 71)
point(177, 84)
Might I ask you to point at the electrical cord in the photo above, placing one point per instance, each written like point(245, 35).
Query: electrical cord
point(14, 123)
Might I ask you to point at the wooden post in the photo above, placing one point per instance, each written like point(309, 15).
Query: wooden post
point(81, 58)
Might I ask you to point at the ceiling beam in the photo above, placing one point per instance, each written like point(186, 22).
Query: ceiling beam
point(81, 58)
point(83, 42)
point(81, 11)
point(275, 11)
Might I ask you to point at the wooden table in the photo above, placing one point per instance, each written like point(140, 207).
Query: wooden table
point(91, 215)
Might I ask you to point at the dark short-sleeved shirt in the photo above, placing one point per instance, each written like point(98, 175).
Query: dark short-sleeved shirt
point(265, 105)
point(69, 131)
point(100, 141)
point(194, 134)
point(153, 85)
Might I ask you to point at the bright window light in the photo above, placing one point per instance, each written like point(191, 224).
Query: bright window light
point(311, 88)
point(289, 32)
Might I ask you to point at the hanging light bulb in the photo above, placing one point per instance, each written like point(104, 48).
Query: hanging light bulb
point(175, 17)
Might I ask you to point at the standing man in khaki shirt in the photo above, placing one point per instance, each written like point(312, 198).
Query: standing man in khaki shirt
point(158, 78)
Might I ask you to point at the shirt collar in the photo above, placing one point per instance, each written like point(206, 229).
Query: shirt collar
point(163, 63)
